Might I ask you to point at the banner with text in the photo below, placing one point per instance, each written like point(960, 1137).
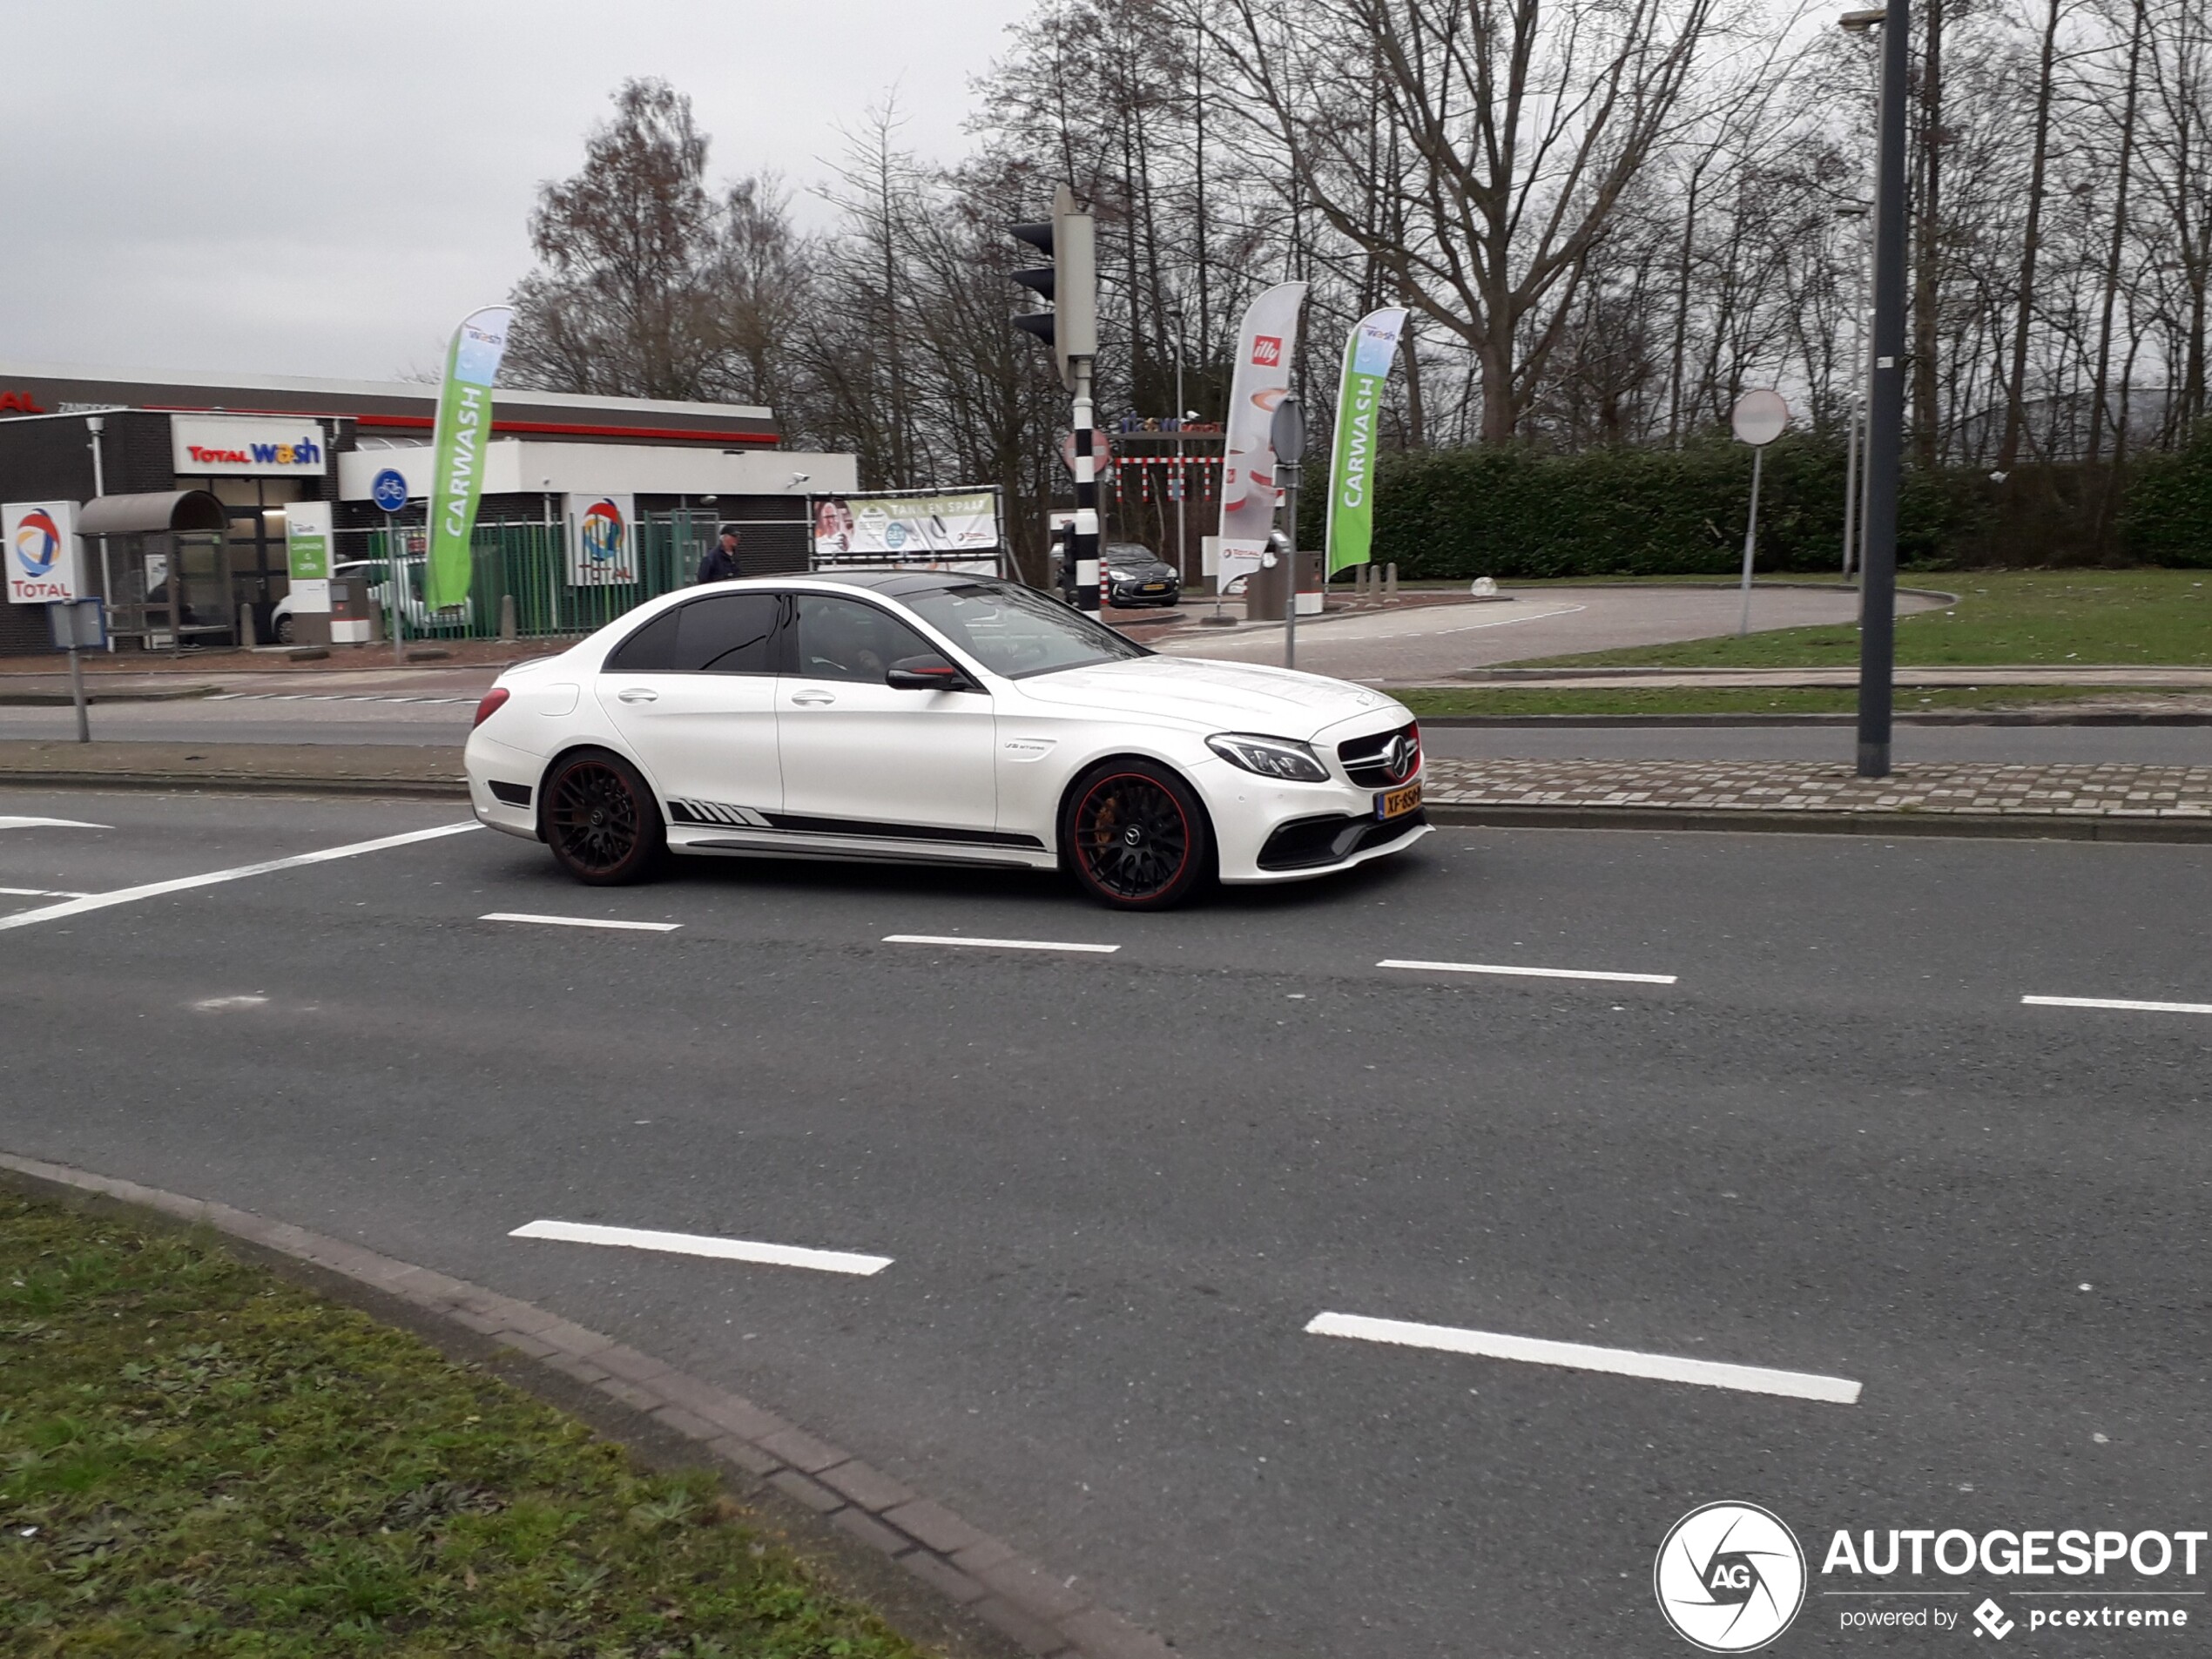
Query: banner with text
point(906, 527)
point(1265, 345)
point(1367, 355)
point(457, 450)
point(306, 555)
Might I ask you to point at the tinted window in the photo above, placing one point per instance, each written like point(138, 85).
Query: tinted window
point(728, 634)
point(844, 639)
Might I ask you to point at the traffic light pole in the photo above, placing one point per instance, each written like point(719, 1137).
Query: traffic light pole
point(1083, 540)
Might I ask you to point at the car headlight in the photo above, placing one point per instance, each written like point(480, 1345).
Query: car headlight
point(1270, 757)
point(1121, 575)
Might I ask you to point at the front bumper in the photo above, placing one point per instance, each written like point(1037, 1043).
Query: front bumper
point(1269, 831)
point(1127, 595)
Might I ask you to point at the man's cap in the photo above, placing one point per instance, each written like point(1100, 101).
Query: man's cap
point(728, 529)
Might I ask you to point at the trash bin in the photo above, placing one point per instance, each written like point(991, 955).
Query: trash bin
point(353, 619)
point(1264, 592)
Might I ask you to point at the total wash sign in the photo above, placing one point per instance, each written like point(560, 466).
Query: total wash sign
point(1731, 1578)
point(247, 446)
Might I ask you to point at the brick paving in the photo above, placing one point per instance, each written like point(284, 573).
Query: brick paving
point(1041, 1614)
point(2056, 790)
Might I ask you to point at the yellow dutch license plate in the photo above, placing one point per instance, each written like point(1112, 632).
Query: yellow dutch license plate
point(1156, 587)
point(1396, 803)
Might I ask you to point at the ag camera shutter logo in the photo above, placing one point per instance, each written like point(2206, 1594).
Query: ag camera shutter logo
point(1729, 1577)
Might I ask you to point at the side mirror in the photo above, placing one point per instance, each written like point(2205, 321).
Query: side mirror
point(926, 674)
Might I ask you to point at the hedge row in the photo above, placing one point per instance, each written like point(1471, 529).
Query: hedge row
point(2168, 519)
point(1509, 512)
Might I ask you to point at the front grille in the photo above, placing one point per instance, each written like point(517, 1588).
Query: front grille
point(1362, 757)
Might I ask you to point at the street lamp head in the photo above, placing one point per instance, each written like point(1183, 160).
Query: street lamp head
point(1860, 22)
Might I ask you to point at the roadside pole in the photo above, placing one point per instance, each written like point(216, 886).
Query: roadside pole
point(1758, 419)
point(1884, 412)
point(391, 577)
point(1286, 436)
point(1083, 538)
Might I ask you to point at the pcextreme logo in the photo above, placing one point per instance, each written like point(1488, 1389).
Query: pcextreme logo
point(1729, 1577)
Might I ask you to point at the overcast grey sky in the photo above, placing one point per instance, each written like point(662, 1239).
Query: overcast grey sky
point(301, 189)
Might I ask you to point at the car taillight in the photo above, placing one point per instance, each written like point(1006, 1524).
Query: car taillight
point(490, 705)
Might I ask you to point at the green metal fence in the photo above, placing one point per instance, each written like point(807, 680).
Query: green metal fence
point(529, 560)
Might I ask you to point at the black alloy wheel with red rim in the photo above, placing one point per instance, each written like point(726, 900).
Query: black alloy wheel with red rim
point(1135, 836)
point(601, 820)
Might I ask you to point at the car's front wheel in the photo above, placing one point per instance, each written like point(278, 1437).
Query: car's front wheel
point(602, 821)
point(1134, 836)
point(284, 629)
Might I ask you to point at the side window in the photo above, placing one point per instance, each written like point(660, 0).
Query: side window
point(846, 639)
point(651, 650)
point(728, 634)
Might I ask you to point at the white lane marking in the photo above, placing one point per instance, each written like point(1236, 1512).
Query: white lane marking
point(327, 697)
point(185, 883)
point(1577, 1356)
point(2117, 1002)
point(996, 944)
point(734, 1250)
point(48, 823)
point(583, 921)
point(43, 893)
point(1528, 973)
point(228, 1004)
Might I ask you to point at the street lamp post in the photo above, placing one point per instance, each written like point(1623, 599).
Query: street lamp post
point(1885, 410)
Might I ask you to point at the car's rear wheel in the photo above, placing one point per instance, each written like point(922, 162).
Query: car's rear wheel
point(602, 821)
point(284, 629)
point(1136, 836)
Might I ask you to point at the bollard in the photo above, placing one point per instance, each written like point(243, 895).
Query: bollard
point(507, 618)
point(246, 639)
point(1390, 580)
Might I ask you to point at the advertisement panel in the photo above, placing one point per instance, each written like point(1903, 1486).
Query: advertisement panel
point(602, 543)
point(1265, 346)
point(1367, 357)
point(306, 555)
point(457, 450)
point(906, 528)
point(247, 446)
point(43, 563)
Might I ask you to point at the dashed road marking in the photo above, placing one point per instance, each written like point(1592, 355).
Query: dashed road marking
point(2117, 1002)
point(1528, 973)
point(185, 883)
point(330, 696)
point(734, 1250)
point(583, 921)
point(43, 893)
point(1577, 1356)
point(998, 944)
point(48, 823)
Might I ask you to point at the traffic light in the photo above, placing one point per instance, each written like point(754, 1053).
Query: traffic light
point(1069, 283)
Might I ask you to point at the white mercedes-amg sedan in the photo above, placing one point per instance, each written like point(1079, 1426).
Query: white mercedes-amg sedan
point(939, 719)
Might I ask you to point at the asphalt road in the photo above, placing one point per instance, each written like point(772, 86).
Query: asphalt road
point(1118, 1187)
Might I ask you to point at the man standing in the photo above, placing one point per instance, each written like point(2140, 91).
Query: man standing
point(720, 563)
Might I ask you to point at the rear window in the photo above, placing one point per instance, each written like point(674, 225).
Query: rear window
point(730, 633)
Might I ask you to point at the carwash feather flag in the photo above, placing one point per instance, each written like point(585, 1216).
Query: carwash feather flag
point(457, 450)
point(1265, 345)
point(1367, 355)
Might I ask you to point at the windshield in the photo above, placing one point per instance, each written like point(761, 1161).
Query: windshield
point(1018, 632)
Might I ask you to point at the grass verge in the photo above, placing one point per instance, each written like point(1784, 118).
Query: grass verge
point(1823, 699)
point(197, 1457)
point(2161, 617)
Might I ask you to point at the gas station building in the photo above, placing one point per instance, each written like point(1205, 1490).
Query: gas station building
point(154, 448)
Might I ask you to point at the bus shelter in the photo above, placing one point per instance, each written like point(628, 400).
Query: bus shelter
point(163, 571)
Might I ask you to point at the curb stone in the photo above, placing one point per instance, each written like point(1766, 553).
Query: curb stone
point(976, 1577)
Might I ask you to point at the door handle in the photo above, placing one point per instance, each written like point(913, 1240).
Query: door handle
point(638, 694)
point(813, 699)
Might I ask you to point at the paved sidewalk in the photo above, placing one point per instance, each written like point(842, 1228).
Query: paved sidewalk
point(2078, 799)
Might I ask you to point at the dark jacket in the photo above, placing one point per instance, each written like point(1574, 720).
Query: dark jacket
point(719, 565)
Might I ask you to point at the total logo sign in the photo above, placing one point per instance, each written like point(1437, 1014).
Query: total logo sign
point(41, 551)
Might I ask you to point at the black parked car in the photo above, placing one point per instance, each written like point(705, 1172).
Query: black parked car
point(1133, 575)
